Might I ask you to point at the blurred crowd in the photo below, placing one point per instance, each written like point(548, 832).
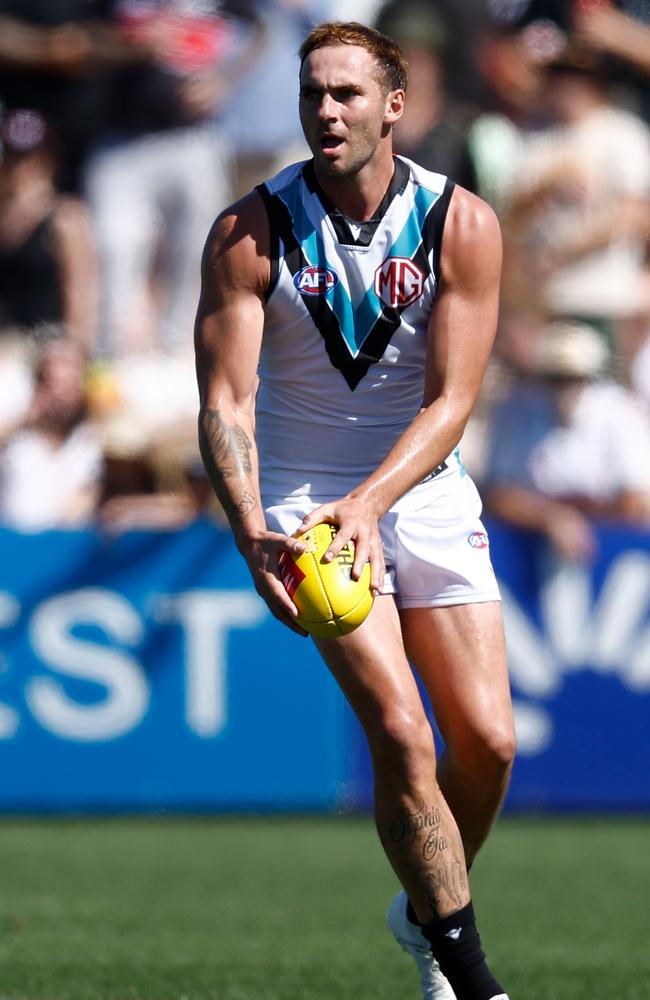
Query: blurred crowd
point(126, 125)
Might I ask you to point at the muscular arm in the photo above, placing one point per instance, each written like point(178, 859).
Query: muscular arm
point(228, 336)
point(461, 333)
point(227, 339)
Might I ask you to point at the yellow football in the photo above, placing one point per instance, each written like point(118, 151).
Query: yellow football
point(329, 601)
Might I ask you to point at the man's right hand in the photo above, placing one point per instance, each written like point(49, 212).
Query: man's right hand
point(263, 557)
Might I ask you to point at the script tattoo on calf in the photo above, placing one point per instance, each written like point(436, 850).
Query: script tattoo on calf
point(226, 452)
point(419, 824)
point(447, 876)
point(450, 881)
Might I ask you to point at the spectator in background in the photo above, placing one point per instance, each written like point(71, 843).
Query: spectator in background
point(50, 466)
point(433, 129)
point(640, 369)
point(260, 115)
point(509, 58)
point(15, 384)
point(163, 169)
point(130, 496)
point(510, 54)
point(623, 37)
point(572, 447)
point(47, 262)
point(578, 213)
point(148, 483)
point(463, 22)
point(52, 58)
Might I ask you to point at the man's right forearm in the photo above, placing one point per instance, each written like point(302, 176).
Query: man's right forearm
point(230, 457)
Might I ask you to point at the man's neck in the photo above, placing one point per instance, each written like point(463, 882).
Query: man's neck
point(358, 197)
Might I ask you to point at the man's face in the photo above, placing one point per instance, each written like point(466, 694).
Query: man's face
point(344, 110)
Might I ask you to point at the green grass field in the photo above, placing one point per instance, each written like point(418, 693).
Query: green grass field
point(293, 909)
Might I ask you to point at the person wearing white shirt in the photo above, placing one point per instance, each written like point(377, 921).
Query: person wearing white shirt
point(571, 448)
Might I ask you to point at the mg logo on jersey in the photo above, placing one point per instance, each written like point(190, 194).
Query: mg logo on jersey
point(314, 280)
point(398, 282)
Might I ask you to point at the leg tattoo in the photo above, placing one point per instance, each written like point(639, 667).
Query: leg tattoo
point(430, 853)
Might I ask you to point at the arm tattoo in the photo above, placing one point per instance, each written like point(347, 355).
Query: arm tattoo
point(226, 453)
point(229, 446)
point(247, 503)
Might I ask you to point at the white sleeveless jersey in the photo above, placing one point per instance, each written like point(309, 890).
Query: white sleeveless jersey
point(343, 352)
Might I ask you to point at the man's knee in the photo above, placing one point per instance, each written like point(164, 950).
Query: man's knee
point(501, 745)
point(486, 754)
point(401, 744)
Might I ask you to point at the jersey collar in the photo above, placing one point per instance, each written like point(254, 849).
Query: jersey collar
point(364, 231)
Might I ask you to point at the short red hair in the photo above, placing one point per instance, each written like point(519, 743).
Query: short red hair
point(391, 64)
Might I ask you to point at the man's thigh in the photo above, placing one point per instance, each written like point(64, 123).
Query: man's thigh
point(459, 652)
point(372, 669)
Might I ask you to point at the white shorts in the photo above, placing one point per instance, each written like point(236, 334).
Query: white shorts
point(435, 546)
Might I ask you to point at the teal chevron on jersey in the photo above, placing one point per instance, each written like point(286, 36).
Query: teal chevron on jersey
point(342, 367)
point(314, 251)
point(410, 237)
point(303, 227)
point(355, 322)
point(459, 461)
point(405, 245)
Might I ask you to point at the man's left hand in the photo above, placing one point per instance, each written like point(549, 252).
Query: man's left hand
point(357, 522)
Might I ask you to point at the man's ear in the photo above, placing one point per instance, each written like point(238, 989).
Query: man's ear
point(394, 106)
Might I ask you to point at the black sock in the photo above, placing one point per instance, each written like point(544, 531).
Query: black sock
point(456, 945)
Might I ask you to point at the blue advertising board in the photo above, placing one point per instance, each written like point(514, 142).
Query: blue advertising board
point(144, 672)
point(578, 638)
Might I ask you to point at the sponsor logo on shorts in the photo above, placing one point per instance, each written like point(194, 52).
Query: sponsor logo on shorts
point(398, 282)
point(478, 540)
point(314, 280)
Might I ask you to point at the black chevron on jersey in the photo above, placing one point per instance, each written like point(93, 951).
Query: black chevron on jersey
point(320, 309)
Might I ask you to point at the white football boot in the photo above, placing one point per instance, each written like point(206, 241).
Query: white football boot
point(435, 986)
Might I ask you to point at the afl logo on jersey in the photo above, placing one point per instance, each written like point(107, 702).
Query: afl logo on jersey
point(398, 282)
point(313, 280)
point(478, 540)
